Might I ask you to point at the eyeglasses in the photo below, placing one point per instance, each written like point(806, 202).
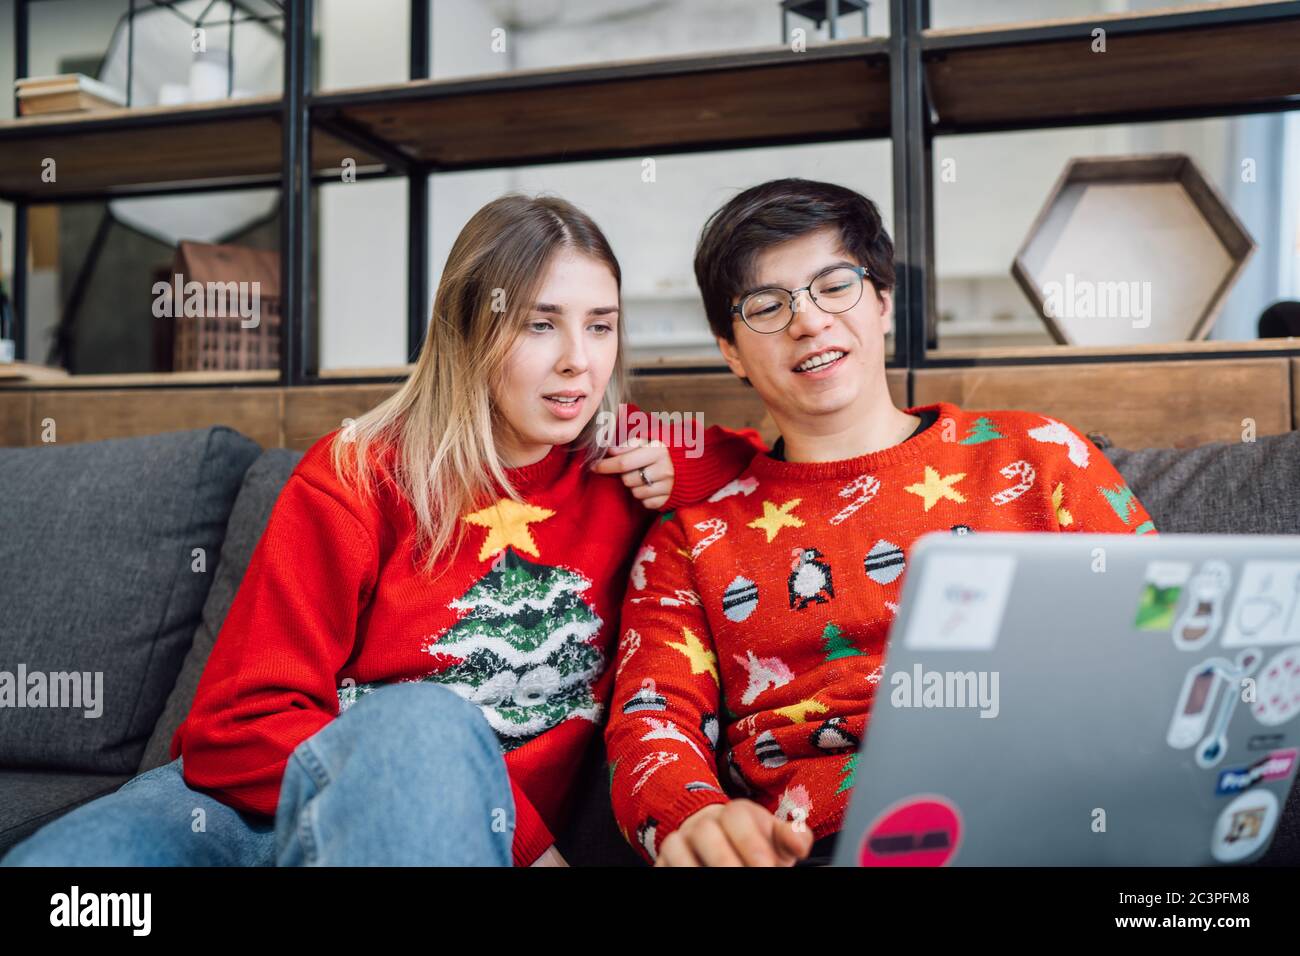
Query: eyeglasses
point(833, 290)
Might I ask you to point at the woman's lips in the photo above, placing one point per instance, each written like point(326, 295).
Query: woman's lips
point(565, 410)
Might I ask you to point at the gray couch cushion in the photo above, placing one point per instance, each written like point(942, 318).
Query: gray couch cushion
point(1221, 488)
point(33, 798)
point(248, 519)
point(96, 577)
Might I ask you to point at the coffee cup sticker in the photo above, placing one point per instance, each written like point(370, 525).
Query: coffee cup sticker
point(1267, 608)
point(1207, 595)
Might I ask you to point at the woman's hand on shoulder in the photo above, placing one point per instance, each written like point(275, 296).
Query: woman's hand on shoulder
point(646, 467)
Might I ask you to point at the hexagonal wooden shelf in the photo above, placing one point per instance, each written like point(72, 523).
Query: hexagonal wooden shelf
point(1131, 250)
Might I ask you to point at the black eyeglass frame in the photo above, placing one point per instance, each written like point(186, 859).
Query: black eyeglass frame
point(739, 309)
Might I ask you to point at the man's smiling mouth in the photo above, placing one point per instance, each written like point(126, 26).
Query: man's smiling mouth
point(820, 360)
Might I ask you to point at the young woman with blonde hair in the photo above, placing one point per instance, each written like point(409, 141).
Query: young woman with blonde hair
point(417, 657)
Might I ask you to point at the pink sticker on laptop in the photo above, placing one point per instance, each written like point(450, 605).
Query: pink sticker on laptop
point(923, 830)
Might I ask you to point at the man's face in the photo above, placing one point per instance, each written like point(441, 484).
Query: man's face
point(774, 362)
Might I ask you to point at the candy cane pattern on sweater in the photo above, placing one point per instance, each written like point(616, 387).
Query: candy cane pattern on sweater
point(682, 597)
point(1026, 473)
point(865, 487)
point(643, 557)
point(650, 763)
point(716, 528)
point(630, 644)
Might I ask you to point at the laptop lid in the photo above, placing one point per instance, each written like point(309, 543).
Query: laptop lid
point(1062, 699)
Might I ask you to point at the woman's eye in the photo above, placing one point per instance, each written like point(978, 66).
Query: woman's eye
point(602, 328)
point(539, 326)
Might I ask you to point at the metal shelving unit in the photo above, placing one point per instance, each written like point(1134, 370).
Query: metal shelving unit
point(1203, 60)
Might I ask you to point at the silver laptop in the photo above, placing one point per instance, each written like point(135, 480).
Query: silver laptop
point(1063, 699)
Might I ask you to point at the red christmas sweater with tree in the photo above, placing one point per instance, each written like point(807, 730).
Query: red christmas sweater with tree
point(332, 605)
point(755, 624)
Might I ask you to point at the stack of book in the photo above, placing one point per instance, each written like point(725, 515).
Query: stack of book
point(65, 93)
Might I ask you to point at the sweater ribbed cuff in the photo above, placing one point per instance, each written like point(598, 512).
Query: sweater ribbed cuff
point(685, 805)
point(532, 837)
point(689, 484)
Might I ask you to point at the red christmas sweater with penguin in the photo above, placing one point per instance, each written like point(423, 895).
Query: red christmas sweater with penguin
point(332, 606)
point(755, 623)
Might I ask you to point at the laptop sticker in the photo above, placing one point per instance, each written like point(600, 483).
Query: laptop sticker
point(1277, 693)
point(1163, 585)
point(1267, 608)
point(1207, 593)
point(1206, 704)
point(1244, 826)
point(1276, 765)
point(961, 602)
point(923, 830)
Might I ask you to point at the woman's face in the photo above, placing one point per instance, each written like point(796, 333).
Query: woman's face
point(561, 361)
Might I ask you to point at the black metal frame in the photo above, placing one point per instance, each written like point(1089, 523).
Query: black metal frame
point(913, 127)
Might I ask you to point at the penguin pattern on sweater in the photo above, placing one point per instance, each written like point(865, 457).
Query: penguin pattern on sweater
point(752, 647)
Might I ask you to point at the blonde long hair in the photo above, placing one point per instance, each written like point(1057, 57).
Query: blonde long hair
point(438, 427)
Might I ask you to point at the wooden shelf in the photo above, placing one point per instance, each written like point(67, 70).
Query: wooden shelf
point(42, 377)
point(140, 150)
point(765, 96)
point(1153, 349)
point(1202, 59)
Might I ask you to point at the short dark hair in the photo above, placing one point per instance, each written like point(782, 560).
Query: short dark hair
point(775, 212)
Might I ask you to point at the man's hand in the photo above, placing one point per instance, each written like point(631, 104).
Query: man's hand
point(550, 858)
point(631, 460)
point(736, 833)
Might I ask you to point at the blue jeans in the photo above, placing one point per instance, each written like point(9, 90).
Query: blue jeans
point(410, 775)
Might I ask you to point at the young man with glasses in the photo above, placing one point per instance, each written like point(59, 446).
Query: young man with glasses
point(754, 627)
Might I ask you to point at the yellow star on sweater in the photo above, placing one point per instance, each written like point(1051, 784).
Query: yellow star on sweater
point(935, 487)
point(774, 518)
point(1063, 516)
point(507, 522)
point(703, 660)
point(798, 713)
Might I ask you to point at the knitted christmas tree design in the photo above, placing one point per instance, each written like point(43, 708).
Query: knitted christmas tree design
point(1120, 498)
point(836, 645)
point(850, 772)
point(523, 652)
point(981, 430)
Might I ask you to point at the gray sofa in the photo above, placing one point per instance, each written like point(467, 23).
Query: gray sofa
point(123, 557)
